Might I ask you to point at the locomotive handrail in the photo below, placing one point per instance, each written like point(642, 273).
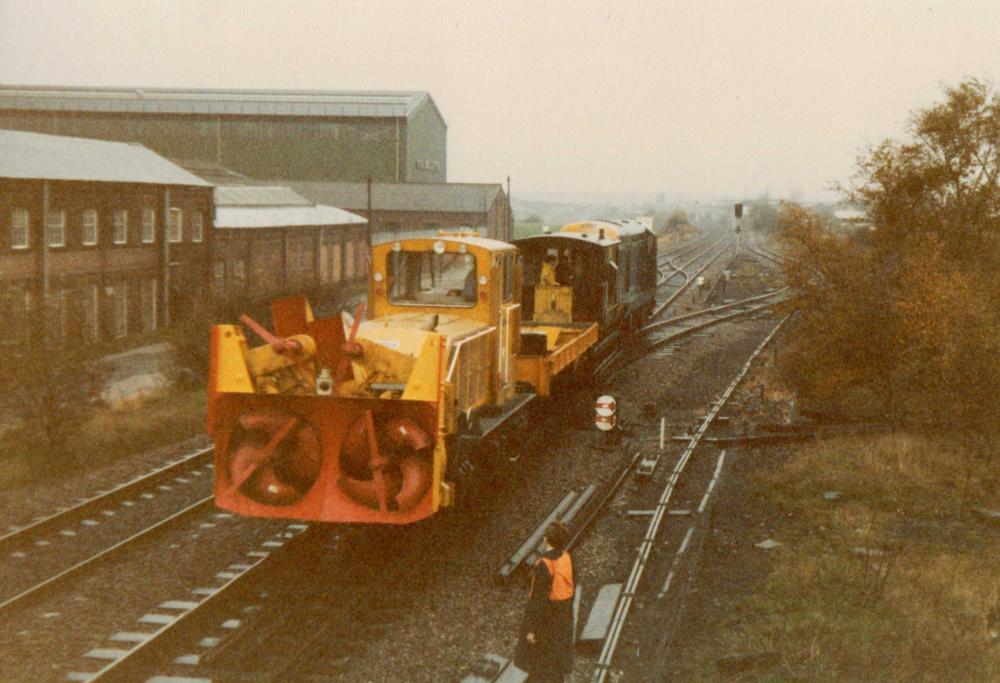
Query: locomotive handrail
point(457, 347)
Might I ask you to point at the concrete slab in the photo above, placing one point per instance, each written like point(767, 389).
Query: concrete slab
point(178, 604)
point(162, 619)
point(600, 615)
point(189, 660)
point(106, 653)
point(131, 637)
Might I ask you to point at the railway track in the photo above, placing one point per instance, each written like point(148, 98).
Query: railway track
point(54, 548)
point(700, 263)
point(137, 655)
point(651, 547)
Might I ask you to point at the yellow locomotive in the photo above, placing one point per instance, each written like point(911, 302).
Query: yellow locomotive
point(384, 420)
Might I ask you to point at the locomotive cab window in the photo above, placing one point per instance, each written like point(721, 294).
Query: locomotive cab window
point(425, 278)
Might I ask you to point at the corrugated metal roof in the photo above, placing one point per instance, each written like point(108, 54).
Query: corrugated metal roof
point(34, 155)
point(341, 103)
point(280, 217)
point(258, 195)
point(449, 197)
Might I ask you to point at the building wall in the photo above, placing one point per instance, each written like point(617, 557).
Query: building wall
point(425, 157)
point(102, 291)
point(281, 148)
point(491, 222)
point(255, 265)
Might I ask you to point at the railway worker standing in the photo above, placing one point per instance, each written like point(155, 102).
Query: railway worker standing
point(564, 272)
point(545, 648)
point(548, 276)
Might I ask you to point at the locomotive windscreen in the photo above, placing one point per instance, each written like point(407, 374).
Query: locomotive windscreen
point(426, 278)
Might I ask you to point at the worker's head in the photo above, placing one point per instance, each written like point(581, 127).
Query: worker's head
point(557, 536)
point(550, 258)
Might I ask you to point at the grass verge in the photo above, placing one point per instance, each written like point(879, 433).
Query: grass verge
point(104, 436)
point(895, 580)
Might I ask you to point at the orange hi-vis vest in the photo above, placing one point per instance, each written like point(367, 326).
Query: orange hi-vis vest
point(561, 571)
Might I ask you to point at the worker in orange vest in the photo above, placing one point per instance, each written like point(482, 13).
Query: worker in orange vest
point(545, 649)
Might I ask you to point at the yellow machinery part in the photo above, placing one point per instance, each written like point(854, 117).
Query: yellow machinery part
point(553, 304)
point(284, 373)
point(428, 371)
point(232, 373)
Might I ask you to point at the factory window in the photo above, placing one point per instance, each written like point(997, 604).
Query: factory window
point(120, 221)
point(88, 232)
point(362, 258)
point(197, 226)
point(57, 324)
point(148, 304)
point(15, 310)
point(349, 253)
point(220, 277)
point(19, 229)
point(149, 225)
point(56, 228)
point(88, 312)
point(336, 262)
point(119, 310)
point(175, 225)
point(238, 270)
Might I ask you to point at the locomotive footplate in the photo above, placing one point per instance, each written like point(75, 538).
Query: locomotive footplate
point(494, 416)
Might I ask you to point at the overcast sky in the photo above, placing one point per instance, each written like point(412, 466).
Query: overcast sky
point(696, 99)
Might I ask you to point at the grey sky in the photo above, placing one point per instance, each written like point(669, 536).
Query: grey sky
point(689, 99)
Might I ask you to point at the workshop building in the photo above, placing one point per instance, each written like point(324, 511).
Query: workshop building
point(98, 240)
point(408, 209)
point(271, 242)
point(276, 134)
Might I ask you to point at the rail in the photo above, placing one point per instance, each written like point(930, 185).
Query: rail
point(646, 547)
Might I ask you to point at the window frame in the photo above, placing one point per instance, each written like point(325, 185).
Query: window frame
point(148, 222)
point(119, 324)
point(84, 224)
point(123, 214)
point(15, 213)
point(50, 225)
point(197, 226)
point(175, 225)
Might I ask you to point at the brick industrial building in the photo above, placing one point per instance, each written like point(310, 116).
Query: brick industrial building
point(99, 235)
point(283, 135)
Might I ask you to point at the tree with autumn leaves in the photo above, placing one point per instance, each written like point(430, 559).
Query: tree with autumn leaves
point(907, 317)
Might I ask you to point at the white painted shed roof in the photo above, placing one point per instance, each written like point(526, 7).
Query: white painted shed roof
point(56, 157)
point(283, 216)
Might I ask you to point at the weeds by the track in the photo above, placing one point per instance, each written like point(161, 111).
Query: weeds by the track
point(894, 579)
point(105, 435)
